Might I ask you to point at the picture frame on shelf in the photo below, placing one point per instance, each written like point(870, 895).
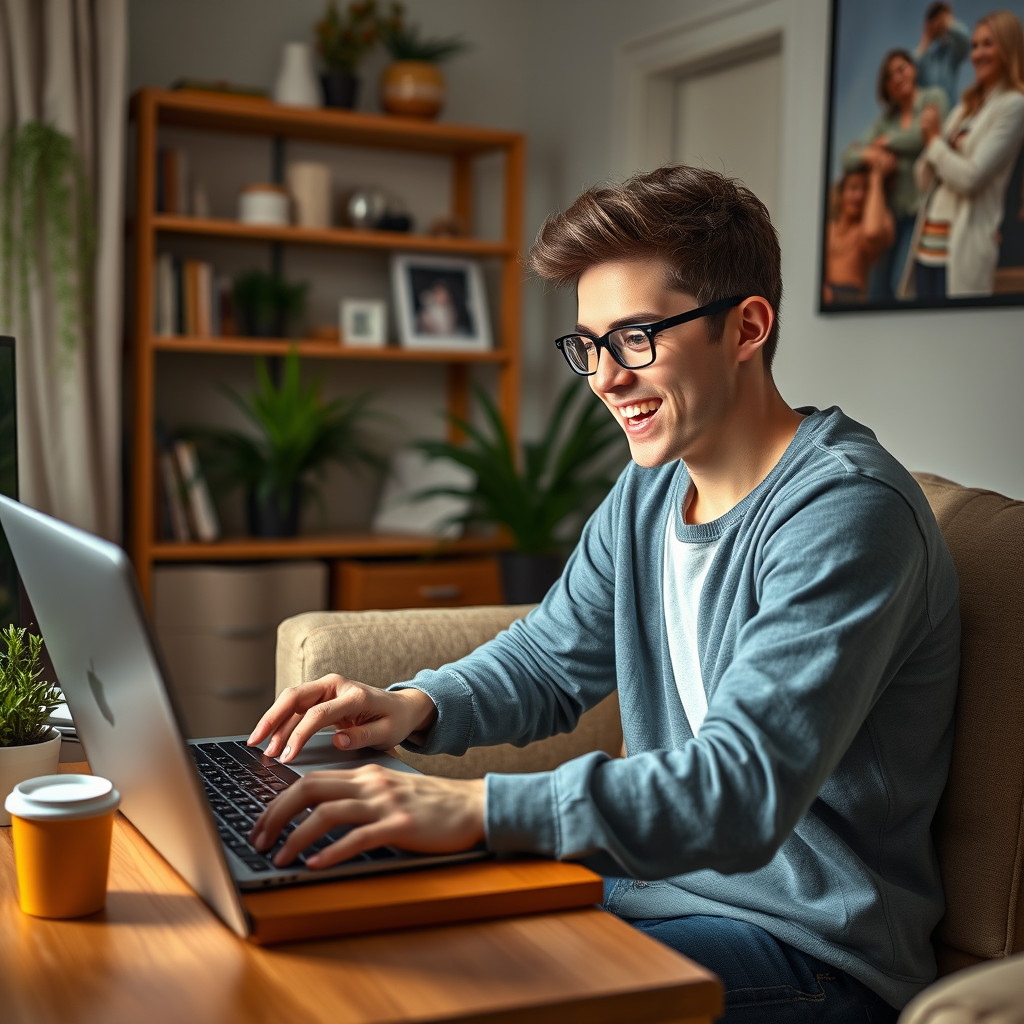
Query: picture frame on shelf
point(364, 323)
point(440, 303)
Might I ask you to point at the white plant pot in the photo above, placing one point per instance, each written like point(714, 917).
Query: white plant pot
point(27, 762)
point(296, 83)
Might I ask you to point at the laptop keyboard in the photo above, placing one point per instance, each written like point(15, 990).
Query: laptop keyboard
point(239, 783)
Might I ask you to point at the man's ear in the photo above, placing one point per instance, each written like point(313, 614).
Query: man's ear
point(754, 320)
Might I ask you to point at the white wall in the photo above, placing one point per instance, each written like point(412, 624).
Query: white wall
point(939, 388)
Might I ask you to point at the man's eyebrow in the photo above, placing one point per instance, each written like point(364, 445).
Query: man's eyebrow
point(633, 320)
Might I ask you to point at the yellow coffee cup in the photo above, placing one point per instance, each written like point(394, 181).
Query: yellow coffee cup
point(61, 827)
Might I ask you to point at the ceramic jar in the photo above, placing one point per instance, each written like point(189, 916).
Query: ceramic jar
point(412, 88)
point(309, 183)
point(263, 204)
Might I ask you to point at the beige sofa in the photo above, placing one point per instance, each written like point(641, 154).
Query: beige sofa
point(980, 828)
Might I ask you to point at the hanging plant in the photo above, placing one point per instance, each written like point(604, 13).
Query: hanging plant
point(47, 221)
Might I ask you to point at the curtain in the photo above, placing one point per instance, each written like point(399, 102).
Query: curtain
point(63, 62)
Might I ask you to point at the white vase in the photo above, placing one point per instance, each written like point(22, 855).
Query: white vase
point(296, 83)
point(26, 762)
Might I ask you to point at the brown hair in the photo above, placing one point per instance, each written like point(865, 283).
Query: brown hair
point(883, 77)
point(714, 235)
point(1006, 30)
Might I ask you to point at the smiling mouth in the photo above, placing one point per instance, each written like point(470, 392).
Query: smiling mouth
point(639, 411)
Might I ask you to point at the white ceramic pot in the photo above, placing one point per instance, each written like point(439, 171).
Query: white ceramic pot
point(263, 204)
point(296, 83)
point(26, 762)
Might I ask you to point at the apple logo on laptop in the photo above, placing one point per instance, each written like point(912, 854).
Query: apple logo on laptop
point(96, 686)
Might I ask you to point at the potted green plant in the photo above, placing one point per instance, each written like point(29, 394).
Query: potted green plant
point(343, 38)
point(266, 306)
point(539, 495)
point(29, 745)
point(298, 434)
point(412, 85)
point(47, 226)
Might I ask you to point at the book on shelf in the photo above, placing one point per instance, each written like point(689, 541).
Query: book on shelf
point(171, 492)
point(189, 298)
point(172, 180)
point(200, 509)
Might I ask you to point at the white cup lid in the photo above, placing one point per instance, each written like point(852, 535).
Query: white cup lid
point(62, 797)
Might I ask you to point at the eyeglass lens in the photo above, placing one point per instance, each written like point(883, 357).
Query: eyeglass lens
point(631, 347)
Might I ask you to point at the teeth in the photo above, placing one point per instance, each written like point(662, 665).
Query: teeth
point(629, 411)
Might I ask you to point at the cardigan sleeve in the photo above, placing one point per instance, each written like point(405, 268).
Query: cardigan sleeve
point(999, 143)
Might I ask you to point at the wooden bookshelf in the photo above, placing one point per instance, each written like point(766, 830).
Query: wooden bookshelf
point(155, 109)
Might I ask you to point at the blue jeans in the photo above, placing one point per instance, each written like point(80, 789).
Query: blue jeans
point(930, 282)
point(765, 980)
point(885, 276)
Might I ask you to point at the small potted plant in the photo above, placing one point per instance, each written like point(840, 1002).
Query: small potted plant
point(412, 85)
point(343, 38)
point(539, 495)
point(29, 745)
point(298, 434)
point(266, 306)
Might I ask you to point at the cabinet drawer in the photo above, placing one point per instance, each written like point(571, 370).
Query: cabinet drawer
point(446, 584)
point(235, 600)
point(222, 685)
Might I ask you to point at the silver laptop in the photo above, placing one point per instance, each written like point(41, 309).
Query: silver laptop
point(182, 795)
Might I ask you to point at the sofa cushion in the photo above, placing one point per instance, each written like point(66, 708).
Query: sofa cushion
point(980, 825)
point(384, 647)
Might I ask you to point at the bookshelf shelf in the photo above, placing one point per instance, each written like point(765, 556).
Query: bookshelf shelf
point(345, 545)
point(460, 146)
point(345, 237)
point(309, 348)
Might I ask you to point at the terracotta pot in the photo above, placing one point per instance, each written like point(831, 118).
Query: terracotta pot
point(412, 88)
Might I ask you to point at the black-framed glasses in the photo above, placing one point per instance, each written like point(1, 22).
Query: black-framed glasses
point(633, 346)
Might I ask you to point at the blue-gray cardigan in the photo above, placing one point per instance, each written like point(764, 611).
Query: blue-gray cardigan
point(829, 648)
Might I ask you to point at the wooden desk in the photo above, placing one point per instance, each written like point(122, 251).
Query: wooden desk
point(158, 954)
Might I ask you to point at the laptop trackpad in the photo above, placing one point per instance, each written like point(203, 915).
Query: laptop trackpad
point(319, 753)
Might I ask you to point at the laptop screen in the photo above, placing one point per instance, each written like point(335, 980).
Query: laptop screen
point(9, 589)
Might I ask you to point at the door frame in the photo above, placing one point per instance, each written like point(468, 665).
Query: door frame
point(645, 70)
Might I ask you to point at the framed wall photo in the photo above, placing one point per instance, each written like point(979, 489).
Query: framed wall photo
point(923, 190)
point(440, 303)
point(364, 323)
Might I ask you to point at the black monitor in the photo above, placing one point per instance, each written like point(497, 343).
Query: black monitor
point(9, 584)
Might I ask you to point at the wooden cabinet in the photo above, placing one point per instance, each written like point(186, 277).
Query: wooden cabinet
point(217, 116)
point(445, 583)
point(217, 628)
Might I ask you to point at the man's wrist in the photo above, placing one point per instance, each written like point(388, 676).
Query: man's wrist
point(424, 713)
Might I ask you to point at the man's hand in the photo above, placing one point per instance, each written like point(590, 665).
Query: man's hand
point(362, 716)
point(382, 807)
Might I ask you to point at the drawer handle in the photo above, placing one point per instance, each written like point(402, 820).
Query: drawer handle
point(243, 632)
point(441, 592)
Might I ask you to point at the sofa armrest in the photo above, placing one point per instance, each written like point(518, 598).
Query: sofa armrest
point(384, 647)
point(992, 992)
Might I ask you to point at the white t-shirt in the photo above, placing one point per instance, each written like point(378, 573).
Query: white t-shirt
point(686, 565)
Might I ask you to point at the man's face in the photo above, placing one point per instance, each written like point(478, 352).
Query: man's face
point(670, 409)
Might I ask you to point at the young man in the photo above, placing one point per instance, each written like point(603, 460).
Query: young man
point(768, 591)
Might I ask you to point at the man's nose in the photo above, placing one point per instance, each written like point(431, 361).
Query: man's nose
point(609, 374)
